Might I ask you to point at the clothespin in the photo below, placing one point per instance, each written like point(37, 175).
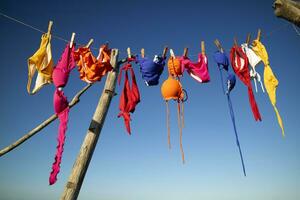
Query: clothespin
point(218, 44)
point(164, 54)
point(185, 52)
point(100, 55)
point(172, 53)
point(258, 34)
point(90, 43)
point(248, 38)
point(72, 40)
point(143, 53)
point(128, 52)
point(202, 47)
point(235, 42)
point(49, 27)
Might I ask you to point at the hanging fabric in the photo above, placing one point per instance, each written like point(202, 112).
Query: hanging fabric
point(270, 81)
point(61, 105)
point(175, 67)
point(239, 63)
point(92, 69)
point(172, 89)
point(151, 69)
point(41, 62)
point(253, 61)
point(130, 96)
point(222, 60)
point(197, 70)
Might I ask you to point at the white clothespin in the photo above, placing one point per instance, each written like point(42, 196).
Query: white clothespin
point(72, 40)
point(128, 52)
point(100, 52)
point(172, 53)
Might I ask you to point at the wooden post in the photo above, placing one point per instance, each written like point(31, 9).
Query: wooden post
point(81, 164)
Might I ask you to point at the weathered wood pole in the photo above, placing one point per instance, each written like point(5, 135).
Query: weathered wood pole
point(81, 164)
point(288, 10)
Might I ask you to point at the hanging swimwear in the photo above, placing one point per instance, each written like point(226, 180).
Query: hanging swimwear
point(175, 67)
point(61, 105)
point(239, 63)
point(270, 81)
point(253, 61)
point(172, 89)
point(92, 69)
point(41, 62)
point(130, 96)
point(198, 70)
point(222, 60)
point(151, 69)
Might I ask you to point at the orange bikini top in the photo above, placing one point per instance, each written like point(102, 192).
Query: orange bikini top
point(174, 67)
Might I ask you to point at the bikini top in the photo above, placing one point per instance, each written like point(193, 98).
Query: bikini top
point(270, 81)
point(175, 67)
point(172, 89)
point(222, 60)
point(239, 63)
point(60, 78)
point(151, 69)
point(92, 69)
point(253, 61)
point(197, 70)
point(64, 66)
point(41, 62)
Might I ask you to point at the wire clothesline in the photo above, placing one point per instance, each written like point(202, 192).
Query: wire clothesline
point(265, 35)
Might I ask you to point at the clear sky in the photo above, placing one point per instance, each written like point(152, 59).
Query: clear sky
point(140, 166)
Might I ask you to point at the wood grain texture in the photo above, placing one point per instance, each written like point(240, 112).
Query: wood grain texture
point(288, 10)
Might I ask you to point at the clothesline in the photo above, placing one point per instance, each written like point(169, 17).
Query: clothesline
point(264, 35)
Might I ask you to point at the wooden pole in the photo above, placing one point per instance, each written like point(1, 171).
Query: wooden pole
point(81, 164)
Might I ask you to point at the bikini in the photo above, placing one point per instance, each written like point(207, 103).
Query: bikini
point(41, 62)
point(223, 62)
point(60, 78)
point(151, 69)
point(130, 96)
point(92, 69)
point(253, 61)
point(172, 89)
point(197, 70)
point(239, 63)
point(270, 81)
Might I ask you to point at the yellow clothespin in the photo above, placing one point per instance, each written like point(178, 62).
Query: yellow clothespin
point(202, 47)
point(164, 54)
point(143, 53)
point(185, 52)
point(49, 27)
point(72, 40)
point(172, 53)
point(128, 52)
point(235, 42)
point(248, 38)
point(90, 43)
point(218, 44)
point(258, 34)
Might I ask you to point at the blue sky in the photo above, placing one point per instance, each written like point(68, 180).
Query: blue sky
point(140, 166)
